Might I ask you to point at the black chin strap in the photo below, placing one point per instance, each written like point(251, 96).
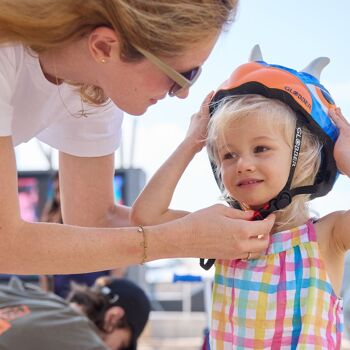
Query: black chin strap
point(284, 198)
point(206, 265)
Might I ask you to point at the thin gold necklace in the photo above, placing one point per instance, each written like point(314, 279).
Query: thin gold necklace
point(82, 112)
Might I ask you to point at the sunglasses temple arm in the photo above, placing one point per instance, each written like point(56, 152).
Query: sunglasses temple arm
point(171, 73)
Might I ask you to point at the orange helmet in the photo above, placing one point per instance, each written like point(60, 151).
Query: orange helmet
point(302, 92)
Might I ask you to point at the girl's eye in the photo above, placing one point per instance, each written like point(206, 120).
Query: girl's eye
point(259, 149)
point(229, 156)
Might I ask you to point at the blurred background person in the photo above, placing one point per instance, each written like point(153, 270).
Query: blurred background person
point(109, 315)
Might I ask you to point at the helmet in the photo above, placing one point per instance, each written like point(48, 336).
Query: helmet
point(310, 101)
point(301, 91)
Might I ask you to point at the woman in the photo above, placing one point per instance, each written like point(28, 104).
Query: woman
point(61, 62)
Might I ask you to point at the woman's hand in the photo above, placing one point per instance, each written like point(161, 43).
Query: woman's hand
point(221, 232)
point(197, 131)
point(342, 146)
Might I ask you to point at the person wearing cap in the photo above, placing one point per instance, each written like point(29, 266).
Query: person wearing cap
point(109, 315)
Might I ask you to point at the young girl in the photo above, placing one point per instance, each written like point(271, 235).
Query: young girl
point(270, 156)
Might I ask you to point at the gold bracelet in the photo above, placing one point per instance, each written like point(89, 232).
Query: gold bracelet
point(143, 244)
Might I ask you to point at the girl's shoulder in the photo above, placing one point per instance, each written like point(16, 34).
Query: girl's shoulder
point(331, 247)
point(324, 226)
point(329, 234)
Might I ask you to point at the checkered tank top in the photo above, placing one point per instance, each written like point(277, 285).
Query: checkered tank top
point(283, 300)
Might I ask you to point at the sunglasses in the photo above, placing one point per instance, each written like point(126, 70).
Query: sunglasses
point(182, 81)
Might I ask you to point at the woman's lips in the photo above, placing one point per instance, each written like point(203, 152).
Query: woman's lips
point(153, 101)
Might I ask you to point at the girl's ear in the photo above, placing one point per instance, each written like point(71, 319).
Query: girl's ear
point(103, 44)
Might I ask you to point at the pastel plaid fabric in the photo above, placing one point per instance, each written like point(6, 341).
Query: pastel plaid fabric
point(283, 300)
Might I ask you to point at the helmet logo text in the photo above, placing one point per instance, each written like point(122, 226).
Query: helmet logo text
point(298, 95)
point(297, 144)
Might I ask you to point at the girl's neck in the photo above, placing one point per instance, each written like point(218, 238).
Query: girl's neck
point(286, 219)
point(283, 224)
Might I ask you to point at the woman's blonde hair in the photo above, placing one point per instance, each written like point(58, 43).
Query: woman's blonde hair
point(163, 27)
point(282, 119)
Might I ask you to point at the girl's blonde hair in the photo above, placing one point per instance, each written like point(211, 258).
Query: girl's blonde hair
point(283, 119)
point(164, 27)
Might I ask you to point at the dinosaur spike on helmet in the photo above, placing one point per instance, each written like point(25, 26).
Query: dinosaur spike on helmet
point(316, 66)
point(255, 54)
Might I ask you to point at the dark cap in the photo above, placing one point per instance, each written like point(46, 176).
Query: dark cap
point(130, 297)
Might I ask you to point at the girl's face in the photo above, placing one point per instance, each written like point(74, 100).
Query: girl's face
point(134, 86)
point(254, 160)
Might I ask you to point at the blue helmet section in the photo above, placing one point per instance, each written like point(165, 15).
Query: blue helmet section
point(319, 113)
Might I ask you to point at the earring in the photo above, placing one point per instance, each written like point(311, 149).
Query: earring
point(103, 60)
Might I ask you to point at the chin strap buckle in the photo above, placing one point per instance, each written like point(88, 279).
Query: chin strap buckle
point(281, 201)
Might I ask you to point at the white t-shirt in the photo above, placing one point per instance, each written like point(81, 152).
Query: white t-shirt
point(31, 106)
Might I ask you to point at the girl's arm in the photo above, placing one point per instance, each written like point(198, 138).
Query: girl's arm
point(340, 221)
point(152, 205)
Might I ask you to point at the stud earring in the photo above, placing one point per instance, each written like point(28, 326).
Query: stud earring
point(103, 60)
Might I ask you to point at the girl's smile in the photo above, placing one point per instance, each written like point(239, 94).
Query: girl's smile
point(249, 182)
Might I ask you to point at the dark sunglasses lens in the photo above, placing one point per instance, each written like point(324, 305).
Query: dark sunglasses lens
point(190, 74)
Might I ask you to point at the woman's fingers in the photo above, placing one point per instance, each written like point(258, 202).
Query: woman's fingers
point(204, 109)
point(257, 228)
point(227, 233)
point(206, 102)
point(257, 237)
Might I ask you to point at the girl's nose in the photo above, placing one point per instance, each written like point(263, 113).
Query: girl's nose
point(245, 164)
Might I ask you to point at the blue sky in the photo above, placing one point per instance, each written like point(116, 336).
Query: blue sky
point(290, 33)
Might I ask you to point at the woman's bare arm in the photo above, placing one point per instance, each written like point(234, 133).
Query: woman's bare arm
point(44, 248)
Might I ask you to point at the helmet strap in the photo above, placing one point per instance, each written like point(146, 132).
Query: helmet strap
point(284, 198)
